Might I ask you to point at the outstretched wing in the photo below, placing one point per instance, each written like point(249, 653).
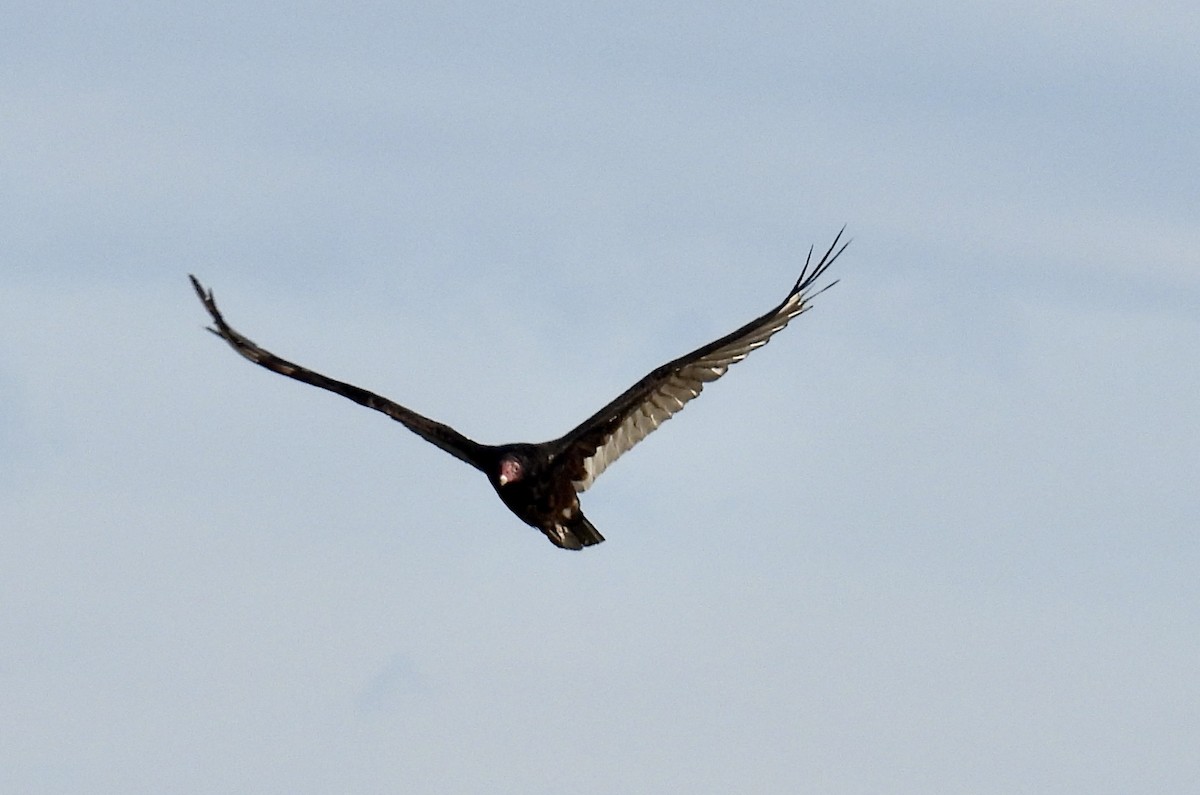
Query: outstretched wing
point(602, 438)
point(441, 435)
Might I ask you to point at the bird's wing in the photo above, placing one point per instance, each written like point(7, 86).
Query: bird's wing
point(602, 438)
point(441, 435)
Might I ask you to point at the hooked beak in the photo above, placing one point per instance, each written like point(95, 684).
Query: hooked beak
point(503, 479)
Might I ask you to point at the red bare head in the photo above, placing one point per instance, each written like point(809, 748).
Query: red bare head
point(511, 470)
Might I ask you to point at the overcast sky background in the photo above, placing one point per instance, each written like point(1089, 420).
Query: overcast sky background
point(939, 536)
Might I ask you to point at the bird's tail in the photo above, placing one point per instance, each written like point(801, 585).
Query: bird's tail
point(579, 533)
point(586, 532)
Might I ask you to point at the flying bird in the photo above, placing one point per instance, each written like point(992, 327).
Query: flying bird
point(541, 483)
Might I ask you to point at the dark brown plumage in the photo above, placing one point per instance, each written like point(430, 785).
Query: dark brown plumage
point(541, 483)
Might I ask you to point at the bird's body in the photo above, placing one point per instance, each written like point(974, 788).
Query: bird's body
point(541, 497)
point(541, 483)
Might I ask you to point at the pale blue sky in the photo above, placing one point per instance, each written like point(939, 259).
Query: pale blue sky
point(939, 536)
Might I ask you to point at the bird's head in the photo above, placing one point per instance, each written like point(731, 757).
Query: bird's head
point(512, 469)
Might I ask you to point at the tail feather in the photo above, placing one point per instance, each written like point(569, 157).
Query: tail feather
point(587, 534)
point(578, 534)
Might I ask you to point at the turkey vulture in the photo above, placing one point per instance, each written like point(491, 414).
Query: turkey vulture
point(541, 483)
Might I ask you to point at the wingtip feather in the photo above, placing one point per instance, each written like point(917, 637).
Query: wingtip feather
point(810, 273)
